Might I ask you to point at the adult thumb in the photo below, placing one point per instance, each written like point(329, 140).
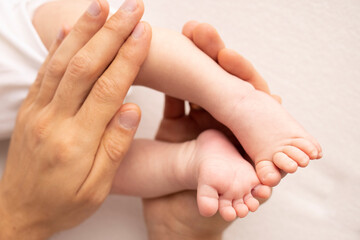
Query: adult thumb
point(114, 145)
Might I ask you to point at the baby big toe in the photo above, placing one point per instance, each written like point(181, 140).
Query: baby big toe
point(268, 173)
point(284, 162)
point(208, 200)
point(307, 147)
point(301, 158)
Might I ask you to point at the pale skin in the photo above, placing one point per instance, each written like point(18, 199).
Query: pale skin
point(175, 217)
point(211, 162)
point(118, 133)
point(63, 156)
point(269, 135)
point(156, 168)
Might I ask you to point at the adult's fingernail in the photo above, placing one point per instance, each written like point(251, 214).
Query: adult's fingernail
point(138, 31)
point(129, 5)
point(129, 119)
point(94, 9)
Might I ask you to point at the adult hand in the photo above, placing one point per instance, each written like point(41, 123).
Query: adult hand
point(72, 130)
point(176, 216)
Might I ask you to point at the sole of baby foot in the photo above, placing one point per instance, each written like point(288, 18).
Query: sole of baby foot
point(225, 179)
point(271, 137)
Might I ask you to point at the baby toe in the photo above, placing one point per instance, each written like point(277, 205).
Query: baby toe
point(251, 202)
point(306, 146)
point(284, 162)
point(317, 145)
point(208, 200)
point(297, 155)
point(241, 209)
point(226, 209)
point(268, 173)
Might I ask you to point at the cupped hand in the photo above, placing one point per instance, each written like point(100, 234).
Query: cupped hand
point(72, 130)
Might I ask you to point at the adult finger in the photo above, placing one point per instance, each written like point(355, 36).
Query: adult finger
point(114, 145)
point(85, 28)
point(35, 87)
point(188, 29)
point(174, 108)
point(208, 40)
point(111, 88)
point(237, 65)
point(91, 61)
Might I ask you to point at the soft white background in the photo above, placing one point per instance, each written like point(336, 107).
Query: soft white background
point(309, 52)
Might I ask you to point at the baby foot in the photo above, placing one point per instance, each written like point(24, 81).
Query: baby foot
point(225, 180)
point(271, 137)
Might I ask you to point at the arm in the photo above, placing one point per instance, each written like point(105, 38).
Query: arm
point(52, 16)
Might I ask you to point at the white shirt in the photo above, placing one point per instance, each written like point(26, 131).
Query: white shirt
point(21, 55)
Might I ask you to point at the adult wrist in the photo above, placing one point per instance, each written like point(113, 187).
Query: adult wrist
point(14, 226)
point(10, 230)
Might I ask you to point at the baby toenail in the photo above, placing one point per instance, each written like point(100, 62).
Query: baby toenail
point(314, 154)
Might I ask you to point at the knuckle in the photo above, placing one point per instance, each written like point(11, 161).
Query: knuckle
point(64, 150)
point(105, 89)
point(78, 30)
point(128, 56)
point(132, 56)
point(55, 67)
point(115, 148)
point(115, 25)
point(61, 154)
point(79, 65)
point(41, 129)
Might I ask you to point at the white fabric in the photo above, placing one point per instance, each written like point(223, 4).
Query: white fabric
point(308, 51)
point(21, 55)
